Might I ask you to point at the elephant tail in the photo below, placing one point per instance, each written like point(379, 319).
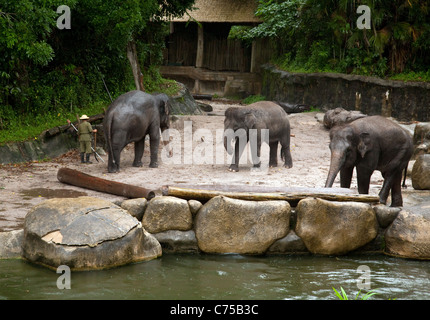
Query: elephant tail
point(404, 177)
point(108, 134)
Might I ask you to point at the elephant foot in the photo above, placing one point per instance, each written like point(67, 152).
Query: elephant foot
point(273, 164)
point(257, 165)
point(137, 164)
point(153, 165)
point(288, 166)
point(233, 168)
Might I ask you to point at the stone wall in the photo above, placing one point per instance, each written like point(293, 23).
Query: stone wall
point(225, 225)
point(314, 226)
point(407, 101)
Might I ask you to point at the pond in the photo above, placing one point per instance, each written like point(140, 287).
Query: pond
point(224, 277)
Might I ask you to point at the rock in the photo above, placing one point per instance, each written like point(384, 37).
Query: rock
point(10, 244)
point(167, 213)
point(85, 233)
point(194, 206)
point(421, 138)
point(385, 215)
point(409, 235)
point(291, 243)
point(340, 116)
point(421, 173)
point(175, 241)
point(183, 102)
point(225, 225)
point(335, 227)
point(136, 207)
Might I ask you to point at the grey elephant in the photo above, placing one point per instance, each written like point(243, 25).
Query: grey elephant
point(368, 144)
point(260, 115)
point(130, 118)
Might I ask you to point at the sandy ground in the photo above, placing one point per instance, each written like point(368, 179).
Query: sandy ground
point(25, 185)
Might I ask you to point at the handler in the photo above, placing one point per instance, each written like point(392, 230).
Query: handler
point(84, 132)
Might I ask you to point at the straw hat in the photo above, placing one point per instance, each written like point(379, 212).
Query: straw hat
point(84, 117)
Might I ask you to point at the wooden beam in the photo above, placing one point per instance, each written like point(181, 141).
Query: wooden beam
point(293, 197)
point(80, 179)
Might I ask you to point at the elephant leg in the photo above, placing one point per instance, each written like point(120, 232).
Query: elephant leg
point(396, 190)
point(273, 159)
point(363, 180)
point(238, 150)
point(139, 148)
point(346, 177)
point(256, 150)
point(114, 160)
point(154, 142)
point(286, 152)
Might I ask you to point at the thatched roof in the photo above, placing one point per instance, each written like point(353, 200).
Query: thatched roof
point(237, 11)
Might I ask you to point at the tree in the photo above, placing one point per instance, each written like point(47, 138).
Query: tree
point(323, 34)
point(46, 71)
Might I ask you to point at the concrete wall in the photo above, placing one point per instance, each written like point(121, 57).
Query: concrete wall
point(406, 101)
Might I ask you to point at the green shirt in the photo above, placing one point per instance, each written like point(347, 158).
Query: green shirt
point(85, 131)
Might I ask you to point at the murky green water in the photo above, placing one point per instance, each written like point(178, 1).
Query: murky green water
point(223, 277)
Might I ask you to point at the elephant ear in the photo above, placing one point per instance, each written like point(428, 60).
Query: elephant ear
point(250, 120)
point(364, 143)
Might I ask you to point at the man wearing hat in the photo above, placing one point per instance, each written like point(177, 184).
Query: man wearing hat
point(84, 132)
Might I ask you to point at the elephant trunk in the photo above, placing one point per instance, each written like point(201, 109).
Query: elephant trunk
point(167, 139)
point(227, 143)
point(336, 163)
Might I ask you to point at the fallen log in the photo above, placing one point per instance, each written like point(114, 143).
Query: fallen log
point(293, 198)
point(83, 180)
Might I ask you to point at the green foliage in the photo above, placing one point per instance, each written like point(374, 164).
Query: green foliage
point(48, 74)
point(343, 296)
point(322, 35)
point(253, 98)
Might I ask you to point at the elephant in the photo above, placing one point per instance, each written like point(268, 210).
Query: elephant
point(131, 117)
point(259, 115)
point(368, 144)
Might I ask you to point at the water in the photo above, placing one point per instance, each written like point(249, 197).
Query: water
point(223, 277)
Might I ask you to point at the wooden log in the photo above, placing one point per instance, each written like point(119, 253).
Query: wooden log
point(293, 198)
point(83, 180)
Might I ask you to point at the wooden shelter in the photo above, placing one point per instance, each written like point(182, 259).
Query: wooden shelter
point(200, 55)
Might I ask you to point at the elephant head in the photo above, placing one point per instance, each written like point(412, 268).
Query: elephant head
point(346, 146)
point(163, 105)
point(237, 123)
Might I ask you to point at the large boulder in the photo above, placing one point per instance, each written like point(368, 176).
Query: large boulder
point(175, 241)
point(85, 233)
point(10, 244)
point(136, 207)
point(409, 235)
point(335, 227)
point(167, 213)
point(421, 173)
point(225, 225)
point(421, 139)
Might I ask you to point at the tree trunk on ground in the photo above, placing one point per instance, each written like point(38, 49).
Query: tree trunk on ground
point(293, 198)
point(135, 66)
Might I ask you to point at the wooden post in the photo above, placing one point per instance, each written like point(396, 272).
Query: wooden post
point(200, 46)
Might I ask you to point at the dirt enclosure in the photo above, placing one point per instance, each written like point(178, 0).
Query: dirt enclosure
point(25, 185)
